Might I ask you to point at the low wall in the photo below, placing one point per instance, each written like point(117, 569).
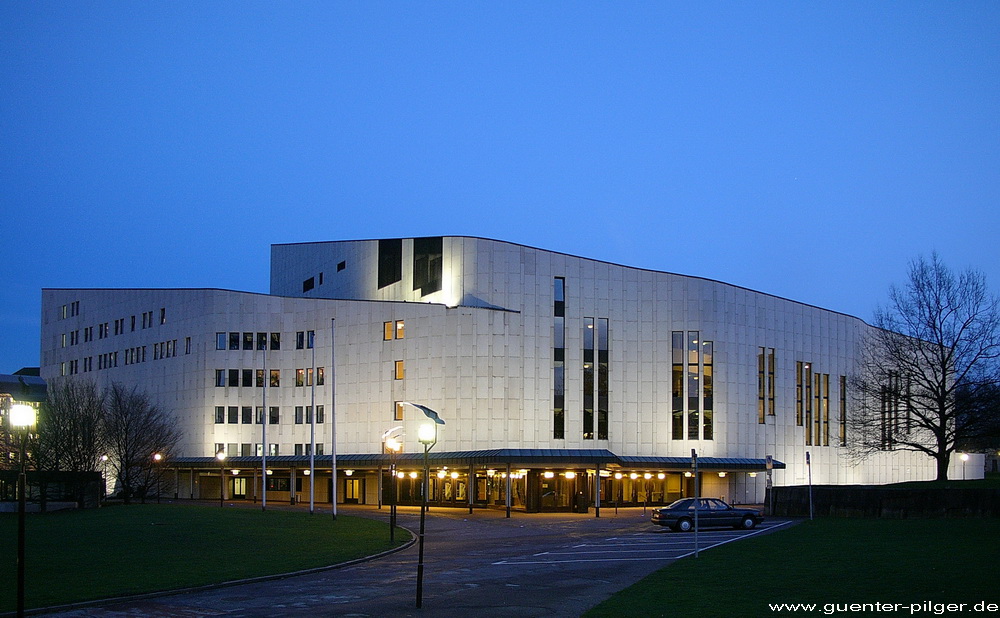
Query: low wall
point(880, 501)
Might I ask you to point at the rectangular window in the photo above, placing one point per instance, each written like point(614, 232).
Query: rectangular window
point(298, 450)
point(309, 376)
point(400, 329)
point(259, 375)
point(427, 264)
point(677, 384)
point(310, 339)
point(275, 341)
point(559, 358)
point(261, 341)
point(397, 413)
point(770, 382)
point(603, 377)
point(300, 340)
point(220, 377)
point(298, 415)
point(320, 378)
point(693, 392)
point(390, 261)
point(234, 341)
point(308, 284)
point(275, 378)
point(247, 341)
point(259, 418)
point(234, 415)
point(247, 415)
point(761, 386)
point(272, 451)
point(843, 410)
point(163, 315)
point(220, 414)
point(234, 377)
point(818, 408)
point(799, 393)
point(309, 415)
point(319, 417)
point(272, 415)
point(387, 331)
point(340, 266)
point(187, 345)
point(807, 402)
point(588, 378)
point(248, 377)
point(400, 371)
point(246, 450)
point(826, 409)
point(300, 377)
point(707, 402)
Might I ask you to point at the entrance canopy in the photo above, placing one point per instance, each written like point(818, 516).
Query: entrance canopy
point(491, 457)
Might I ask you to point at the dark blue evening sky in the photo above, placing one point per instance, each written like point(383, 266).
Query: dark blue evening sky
point(803, 149)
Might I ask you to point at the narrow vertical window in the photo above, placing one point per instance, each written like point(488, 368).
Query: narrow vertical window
point(247, 415)
point(320, 376)
point(275, 379)
point(559, 358)
point(602, 379)
point(588, 378)
point(275, 341)
point(310, 339)
point(707, 394)
point(272, 417)
point(677, 384)
point(693, 394)
point(300, 377)
point(400, 329)
point(400, 370)
point(234, 341)
point(770, 382)
point(397, 411)
point(387, 331)
point(248, 377)
point(843, 410)
point(826, 409)
point(300, 340)
point(798, 393)
point(761, 386)
point(817, 409)
point(807, 401)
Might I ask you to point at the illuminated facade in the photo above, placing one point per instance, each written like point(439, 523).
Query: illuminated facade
point(556, 368)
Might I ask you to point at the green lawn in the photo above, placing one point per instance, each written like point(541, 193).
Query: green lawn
point(827, 561)
point(991, 481)
point(120, 550)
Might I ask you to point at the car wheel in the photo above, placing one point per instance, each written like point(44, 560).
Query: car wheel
point(748, 523)
point(684, 525)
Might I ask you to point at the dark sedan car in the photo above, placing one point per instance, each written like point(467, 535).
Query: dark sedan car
point(711, 512)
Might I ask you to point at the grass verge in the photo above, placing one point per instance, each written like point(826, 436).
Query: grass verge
point(826, 561)
point(75, 556)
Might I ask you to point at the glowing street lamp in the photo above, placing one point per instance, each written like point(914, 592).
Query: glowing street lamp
point(157, 458)
point(22, 419)
point(393, 445)
point(221, 456)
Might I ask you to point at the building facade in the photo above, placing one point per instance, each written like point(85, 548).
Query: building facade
point(550, 371)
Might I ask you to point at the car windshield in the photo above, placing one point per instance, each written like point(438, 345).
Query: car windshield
point(682, 504)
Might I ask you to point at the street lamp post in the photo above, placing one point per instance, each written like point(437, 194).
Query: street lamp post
point(22, 418)
point(428, 437)
point(157, 458)
point(393, 445)
point(221, 456)
point(964, 457)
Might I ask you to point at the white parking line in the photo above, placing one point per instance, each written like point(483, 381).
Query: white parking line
point(668, 541)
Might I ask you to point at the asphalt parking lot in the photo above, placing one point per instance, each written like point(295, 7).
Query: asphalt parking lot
point(474, 565)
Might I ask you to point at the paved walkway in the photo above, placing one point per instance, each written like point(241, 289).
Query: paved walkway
point(484, 564)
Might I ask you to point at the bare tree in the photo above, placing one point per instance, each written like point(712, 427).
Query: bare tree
point(135, 430)
point(939, 335)
point(70, 428)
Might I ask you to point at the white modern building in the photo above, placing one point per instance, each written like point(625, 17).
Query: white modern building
point(549, 370)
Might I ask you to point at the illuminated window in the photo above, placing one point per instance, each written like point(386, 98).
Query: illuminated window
point(400, 371)
point(398, 411)
point(387, 331)
point(400, 331)
point(300, 377)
